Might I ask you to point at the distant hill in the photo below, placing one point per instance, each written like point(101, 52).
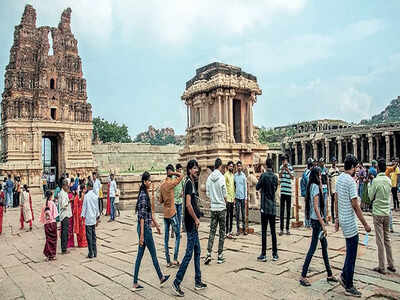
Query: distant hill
point(390, 114)
point(162, 136)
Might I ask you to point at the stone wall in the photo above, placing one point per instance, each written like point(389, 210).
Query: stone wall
point(135, 157)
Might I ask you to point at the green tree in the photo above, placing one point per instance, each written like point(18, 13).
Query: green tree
point(110, 131)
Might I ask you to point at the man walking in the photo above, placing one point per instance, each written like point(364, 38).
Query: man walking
point(393, 173)
point(96, 191)
point(192, 223)
point(113, 190)
point(178, 197)
point(379, 193)
point(65, 215)
point(286, 175)
point(347, 208)
point(90, 211)
point(170, 216)
point(216, 192)
point(303, 187)
point(333, 174)
point(240, 197)
point(230, 198)
point(325, 190)
point(268, 184)
point(9, 191)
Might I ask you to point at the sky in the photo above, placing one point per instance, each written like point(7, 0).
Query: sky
point(312, 59)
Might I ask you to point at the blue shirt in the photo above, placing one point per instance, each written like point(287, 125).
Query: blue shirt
point(240, 186)
point(372, 171)
point(90, 208)
point(9, 185)
point(314, 191)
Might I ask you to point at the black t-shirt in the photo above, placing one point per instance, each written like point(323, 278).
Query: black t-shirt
point(191, 190)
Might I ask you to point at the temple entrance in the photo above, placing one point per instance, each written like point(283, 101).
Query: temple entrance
point(51, 157)
point(237, 122)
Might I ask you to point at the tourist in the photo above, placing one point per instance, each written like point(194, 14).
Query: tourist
point(268, 184)
point(361, 179)
point(216, 192)
point(286, 175)
point(48, 219)
point(230, 198)
point(303, 187)
point(315, 202)
point(116, 203)
point(373, 168)
point(77, 179)
point(192, 223)
point(113, 189)
point(240, 197)
point(52, 180)
point(9, 191)
point(108, 205)
point(379, 192)
point(44, 184)
point(56, 194)
point(26, 215)
point(90, 214)
point(347, 208)
point(393, 173)
point(17, 191)
point(325, 190)
point(170, 216)
point(2, 203)
point(96, 190)
point(79, 222)
point(145, 220)
point(65, 214)
point(178, 197)
point(333, 174)
point(72, 191)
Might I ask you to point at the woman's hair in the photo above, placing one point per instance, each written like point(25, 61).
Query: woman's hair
point(48, 197)
point(190, 165)
point(145, 177)
point(314, 179)
point(26, 188)
point(81, 189)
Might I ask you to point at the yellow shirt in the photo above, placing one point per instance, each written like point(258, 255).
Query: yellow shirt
point(230, 186)
point(393, 176)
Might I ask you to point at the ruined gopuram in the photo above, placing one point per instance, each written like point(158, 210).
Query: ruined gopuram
point(219, 101)
point(45, 97)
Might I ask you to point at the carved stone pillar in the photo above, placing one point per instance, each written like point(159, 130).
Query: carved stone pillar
point(355, 145)
point(251, 102)
point(296, 154)
point(362, 149)
point(315, 149)
point(303, 153)
point(346, 146)
point(327, 156)
point(387, 141)
point(219, 109)
point(394, 145)
point(231, 118)
point(187, 116)
point(377, 139)
point(371, 147)
point(339, 142)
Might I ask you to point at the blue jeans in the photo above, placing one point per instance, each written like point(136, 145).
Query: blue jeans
point(193, 245)
point(240, 206)
point(350, 261)
point(149, 243)
point(325, 195)
point(9, 198)
point(174, 223)
point(179, 215)
point(112, 208)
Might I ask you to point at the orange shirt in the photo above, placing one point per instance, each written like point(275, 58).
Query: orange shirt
point(167, 195)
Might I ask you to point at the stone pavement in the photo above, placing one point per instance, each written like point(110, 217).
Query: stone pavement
point(24, 273)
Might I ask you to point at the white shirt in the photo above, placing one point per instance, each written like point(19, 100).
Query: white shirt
point(113, 188)
point(96, 186)
point(65, 206)
point(346, 190)
point(90, 208)
point(52, 178)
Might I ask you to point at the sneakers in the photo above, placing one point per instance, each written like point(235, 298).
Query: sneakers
point(275, 257)
point(177, 290)
point(287, 232)
point(221, 259)
point(137, 288)
point(200, 286)
point(207, 260)
point(262, 258)
point(164, 280)
point(352, 292)
point(280, 233)
point(392, 269)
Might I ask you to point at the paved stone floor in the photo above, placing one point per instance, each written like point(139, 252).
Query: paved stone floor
point(24, 273)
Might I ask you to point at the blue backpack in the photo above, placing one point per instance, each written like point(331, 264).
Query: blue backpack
point(304, 182)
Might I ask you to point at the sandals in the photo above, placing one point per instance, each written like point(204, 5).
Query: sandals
point(176, 264)
point(379, 270)
point(332, 279)
point(304, 282)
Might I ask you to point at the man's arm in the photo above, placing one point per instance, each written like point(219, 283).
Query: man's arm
point(84, 208)
point(208, 188)
point(189, 207)
point(291, 173)
point(259, 183)
point(336, 213)
point(160, 198)
point(372, 190)
point(245, 188)
point(360, 216)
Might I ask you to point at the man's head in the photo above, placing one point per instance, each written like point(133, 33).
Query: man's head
point(65, 185)
point(111, 176)
point(334, 161)
point(321, 161)
point(77, 175)
point(170, 169)
point(269, 163)
point(192, 168)
point(90, 185)
point(239, 166)
point(310, 163)
point(285, 161)
point(9, 176)
point(350, 164)
point(94, 175)
point(395, 161)
point(178, 168)
point(381, 165)
point(66, 175)
point(230, 166)
point(218, 164)
point(374, 163)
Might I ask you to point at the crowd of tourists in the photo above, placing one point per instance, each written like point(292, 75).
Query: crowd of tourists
point(77, 204)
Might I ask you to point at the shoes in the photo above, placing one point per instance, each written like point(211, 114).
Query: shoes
point(287, 232)
point(164, 280)
point(137, 288)
point(392, 269)
point(89, 256)
point(280, 233)
point(304, 282)
point(275, 257)
point(65, 252)
point(200, 286)
point(332, 279)
point(207, 260)
point(245, 232)
point(262, 258)
point(221, 259)
point(352, 292)
point(177, 290)
point(237, 233)
point(379, 270)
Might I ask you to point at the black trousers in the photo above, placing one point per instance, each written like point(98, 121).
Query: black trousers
point(240, 207)
point(91, 240)
point(333, 207)
point(265, 219)
point(229, 216)
point(286, 200)
point(101, 206)
point(395, 198)
point(64, 234)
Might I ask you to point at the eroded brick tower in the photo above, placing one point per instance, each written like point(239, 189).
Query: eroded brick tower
point(45, 98)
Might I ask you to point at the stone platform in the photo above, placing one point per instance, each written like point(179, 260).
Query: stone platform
point(24, 273)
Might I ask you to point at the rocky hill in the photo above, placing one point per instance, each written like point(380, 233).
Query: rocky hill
point(163, 136)
point(390, 114)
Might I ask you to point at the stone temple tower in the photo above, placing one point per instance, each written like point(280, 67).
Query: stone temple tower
point(45, 99)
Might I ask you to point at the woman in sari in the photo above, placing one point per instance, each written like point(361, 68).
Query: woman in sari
point(48, 219)
point(108, 209)
point(79, 223)
point(71, 238)
point(26, 208)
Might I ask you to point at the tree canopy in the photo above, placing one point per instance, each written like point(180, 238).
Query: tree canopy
point(110, 131)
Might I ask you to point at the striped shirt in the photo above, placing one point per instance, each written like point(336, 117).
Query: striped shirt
point(346, 189)
point(286, 181)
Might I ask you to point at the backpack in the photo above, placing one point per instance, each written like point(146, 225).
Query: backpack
point(304, 182)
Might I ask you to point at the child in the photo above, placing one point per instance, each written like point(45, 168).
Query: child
point(48, 219)
point(26, 208)
point(116, 202)
point(1, 208)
